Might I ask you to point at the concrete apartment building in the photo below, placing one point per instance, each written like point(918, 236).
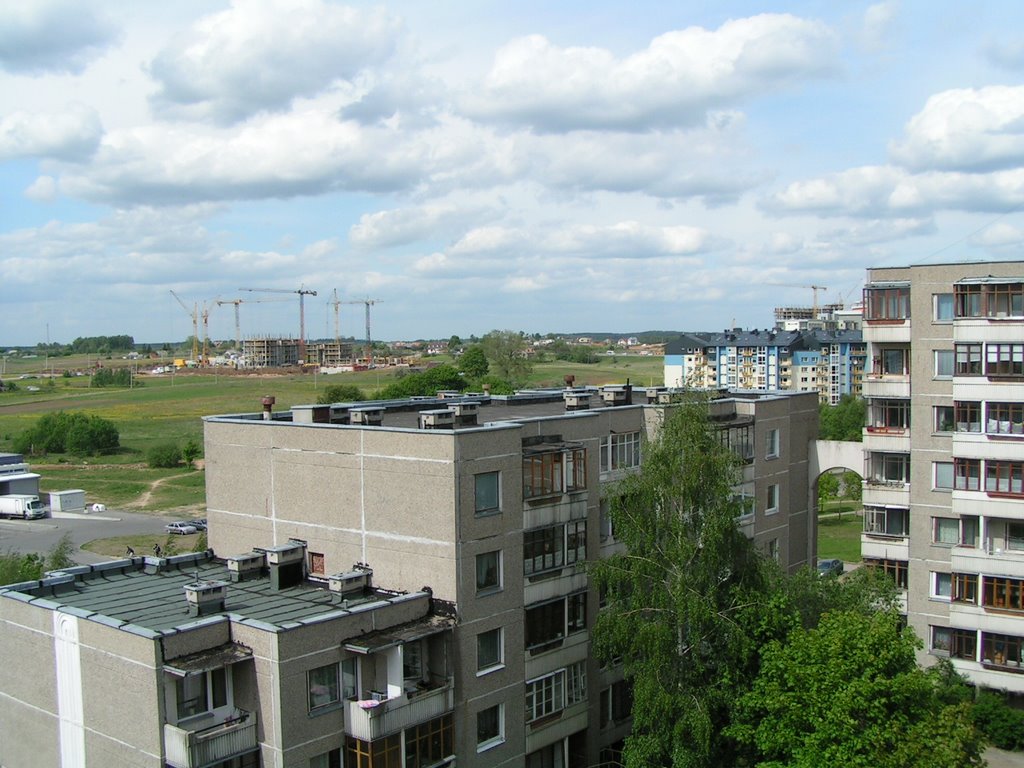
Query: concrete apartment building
point(475, 511)
point(829, 362)
point(944, 457)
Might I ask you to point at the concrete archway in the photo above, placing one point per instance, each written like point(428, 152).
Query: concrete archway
point(827, 456)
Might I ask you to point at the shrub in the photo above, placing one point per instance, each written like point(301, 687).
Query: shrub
point(165, 456)
point(998, 721)
point(426, 383)
point(341, 393)
point(68, 432)
point(191, 451)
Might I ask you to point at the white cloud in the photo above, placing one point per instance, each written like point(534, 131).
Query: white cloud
point(1000, 235)
point(673, 82)
point(878, 21)
point(43, 36)
point(966, 130)
point(261, 55)
point(71, 134)
point(385, 229)
point(42, 190)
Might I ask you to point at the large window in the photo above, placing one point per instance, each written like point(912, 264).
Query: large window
point(890, 468)
point(945, 530)
point(1005, 419)
point(965, 588)
point(379, 753)
point(967, 474)
point(488, 572)
point(490, 650)
point(1005, 300)
point(201, 693)
point(967, 415)
point(620, 451)
point(554, 472)
point(548, 549)
point(968, 300)
point(426, 744)
point(545, 696)
point(1004, 360)
point(895, 569)
point(893, 362)
point(324, 686)
point(1005, 594)
point(616, 703)
point(490, 727)
point(887, 521)
point(487, 498)
point(1002, 650)
point(889, 414)
point(943, 363)
point(943, 307)
point(889, 303)
point(550, 622)
point(1004, 477)
point(968, 360)
point(739, 440)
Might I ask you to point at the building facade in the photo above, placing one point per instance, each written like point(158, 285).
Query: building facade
point(944, 457)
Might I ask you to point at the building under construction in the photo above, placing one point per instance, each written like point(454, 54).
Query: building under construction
point(265, 352)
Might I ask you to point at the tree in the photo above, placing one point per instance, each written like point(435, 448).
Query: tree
point(506, 354)
point(687, 600)
point(828, 490)
point(851, 490)
point(68, 432)
point(425, 383)
point(848, 692)
point(454, 344)
point(191, 451)
point(473, 362)
point(341, 393)
point(845, 420)
point(164, 456)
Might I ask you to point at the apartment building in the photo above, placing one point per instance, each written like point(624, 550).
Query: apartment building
point(944, 457)
point(829, 362)
point(477, 512)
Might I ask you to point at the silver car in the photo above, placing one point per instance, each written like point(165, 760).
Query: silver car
point(181, 527)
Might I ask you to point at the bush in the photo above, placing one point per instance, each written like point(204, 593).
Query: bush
point(166, 456)
point(425, 383)
point(68, 432)
point(341, 393)
point(110, 377)
point(1002, 725)
point(191, 451)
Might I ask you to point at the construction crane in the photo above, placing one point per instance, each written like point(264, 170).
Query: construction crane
point(369, 343)
point(238, 325)
point(814, 288)
point(303, 293)
point(194, 314)
point(335, 302)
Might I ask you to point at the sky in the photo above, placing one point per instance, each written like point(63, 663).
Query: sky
point(536, 166)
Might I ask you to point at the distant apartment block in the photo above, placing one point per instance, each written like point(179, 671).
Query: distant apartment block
point(944, 457)
point(828, 362)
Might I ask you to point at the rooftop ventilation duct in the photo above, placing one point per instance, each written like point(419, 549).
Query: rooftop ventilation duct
point(576, 401)
point(245, 567)
point(287, 564)
point(465, 413)
point(206, 597)
point(442, 418)
point(370, 416)
point(351, 581)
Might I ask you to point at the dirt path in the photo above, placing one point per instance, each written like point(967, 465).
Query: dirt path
point(147, 495)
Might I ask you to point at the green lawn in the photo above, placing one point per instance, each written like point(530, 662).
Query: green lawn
point(117, 546)
point(840, 538)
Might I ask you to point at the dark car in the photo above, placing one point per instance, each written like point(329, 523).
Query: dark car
point(830, 567)
point(199, 523)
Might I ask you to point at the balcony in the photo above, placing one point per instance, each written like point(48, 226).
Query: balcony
point(211, 744)
point(886, 385)
point(988, 559)
point(370, 720)
point(882, 547)
point(892, 439)
point(886, 331)
point(886, 493)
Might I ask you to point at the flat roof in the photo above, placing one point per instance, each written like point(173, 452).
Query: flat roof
point(148, 593)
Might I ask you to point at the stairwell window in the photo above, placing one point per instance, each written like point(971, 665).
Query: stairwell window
point(772, 500)
point(772, 444)
point(488, 572)
point(486, 494)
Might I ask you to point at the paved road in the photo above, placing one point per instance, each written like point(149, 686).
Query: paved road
point(40, 536)
point(997, 758)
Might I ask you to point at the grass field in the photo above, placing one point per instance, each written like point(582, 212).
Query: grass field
point(117, 546)
point(840, 538)
point(170, 409)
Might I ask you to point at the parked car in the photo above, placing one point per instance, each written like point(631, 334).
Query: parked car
point(830, 567)
point(199, 523)
point(181, 527)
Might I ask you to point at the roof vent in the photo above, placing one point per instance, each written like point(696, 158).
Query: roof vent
point(350, 581)
point(576, 400)
point(245, 567)
point(465, 413)
point(287, 564)
point(449, 394)
point(442, 418)
point(613, 396)
point(654, 394)
point(368, 416)
point(206, 597)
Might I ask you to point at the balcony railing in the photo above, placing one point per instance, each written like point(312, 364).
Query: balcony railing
point(186, 748)
point(369, 720)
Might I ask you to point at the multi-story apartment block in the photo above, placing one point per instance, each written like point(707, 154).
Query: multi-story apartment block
point(476, 511)
point(829, 362)
point(944, 457)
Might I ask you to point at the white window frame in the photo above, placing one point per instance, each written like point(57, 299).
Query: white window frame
point(772, 441)
point(545, 695)
point(773, 496)
point(938, 578)
point(499, 738)
point(936, 317)
point(620, 451)
point(491, 588)
point(499, 663)
point(950, 358)
point(950, 525)
point(947, 465)
point(205, 679)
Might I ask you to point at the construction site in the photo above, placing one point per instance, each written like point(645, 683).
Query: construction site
point(265, 351)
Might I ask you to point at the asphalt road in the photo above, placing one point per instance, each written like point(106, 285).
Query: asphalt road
point(40, 536)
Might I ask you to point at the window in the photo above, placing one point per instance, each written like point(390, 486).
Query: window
point(889, 414)
point(886, 521)
point(1005, 419)
point(1005, 300)
point(576, 541)
point(576, 620)
point(607, 531)
point(739, 440)
point(965, 588)
point(943, 475)
point(543, 549)
point(490, 651)
point(969, 530)
point(967, 474)
point(890, 468)
point(1004, 477)
point(1004, 360)
point(889, 303)
point(967, 416)
point(772, 444)
point(349, 683)
point(894, 362)
point(488, 572)
point(616, 703)
point(946, 530)
point(773, 549)
point(412, 661)
point(201, 693)
point(943, 307)
point(490, 727)
point(620, 451)
point(772, 500)
point(942, 640)
point(942, 585)
point(1006, 594)
point(554, 472)
point(551, 756)
point(968, 360)
point(576, 688)
point(331, 759)
point(943, 421)
point(316, 562)
point(426, 744)
point(1002, 650)
point(896, 569)
point(487, 496)
point(545, 696)
point(324, 689)
point(968, 300)
point(380, 753)
point(545, 624)
point(964, 644)
point(1015, 536)
point(943, 363)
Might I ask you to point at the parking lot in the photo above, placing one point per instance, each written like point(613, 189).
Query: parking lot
point(25, 536)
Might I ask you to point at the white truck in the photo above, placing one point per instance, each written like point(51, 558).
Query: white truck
point(21, 505)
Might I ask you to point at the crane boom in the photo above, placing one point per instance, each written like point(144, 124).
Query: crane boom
point(369, 342)
point(194, 314)
point(303, 293)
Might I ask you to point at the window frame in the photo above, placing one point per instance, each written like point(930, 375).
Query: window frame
point(486, 511)
point(937, 308)
point(620, 450)
point(1004, 418)
point(944, 360)
point(772, 443)
point(482, 666)
point(489, 588)
point(940, 586)
point(545, 695)
point(943, 414)
point(1004, 360)
point(498, 737)
point(968, 359)
point(937, 482)
point(772, 500)
point(945, 531)
point(332, 690)
point(1004, 478)
point(966, 474)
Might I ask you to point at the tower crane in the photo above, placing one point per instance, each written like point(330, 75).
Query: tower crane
point(335, 302)
point(369, 343)
point(194, 314)
point(238, 325)
point(814, 288)
point(303, 293)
